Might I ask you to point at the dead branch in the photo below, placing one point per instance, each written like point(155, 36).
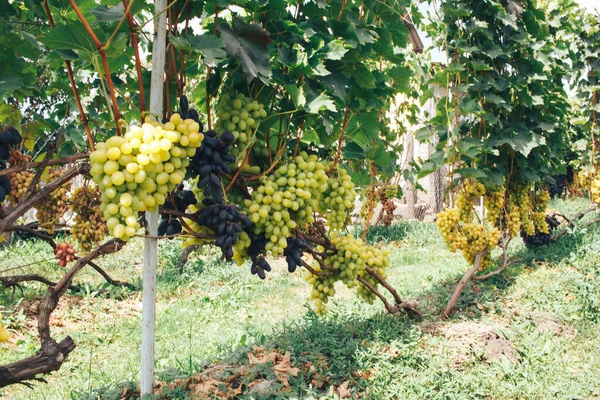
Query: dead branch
point(571, 222)
point(35, 164)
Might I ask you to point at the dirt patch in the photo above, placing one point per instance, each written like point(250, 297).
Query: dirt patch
point(463, 340)
point(547, 322)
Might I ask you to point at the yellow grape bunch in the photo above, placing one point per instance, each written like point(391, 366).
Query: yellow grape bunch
point(350, 261)
point(337, 200)
point(19, 183)
point(89, 226)
point(137, 171)
point(239, 115)
point(470, 237)
point(53, 206)
point(595, 190)
point(4, 334)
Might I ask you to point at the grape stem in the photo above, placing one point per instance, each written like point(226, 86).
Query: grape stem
point(136, 52)
point(237, 173)
point(82, 115)
point(506, 262)
point(391, 309)
point(101, 49)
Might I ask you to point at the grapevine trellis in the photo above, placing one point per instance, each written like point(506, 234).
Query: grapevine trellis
point(270, 119)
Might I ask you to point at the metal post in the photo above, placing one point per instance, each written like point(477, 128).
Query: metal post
point(151, 245)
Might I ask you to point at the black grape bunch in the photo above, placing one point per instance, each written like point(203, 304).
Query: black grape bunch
point(293, 252)
point(227, 222)
point(258, 241)
point(8, 138)
point(541, 239)
point(210, 162)
point(182, 199)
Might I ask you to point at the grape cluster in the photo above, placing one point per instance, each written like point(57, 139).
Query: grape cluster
point(89, 227)
point(137, 171)
point(349, 261)
point(595, 189)
point(284, 200)
point(470, 237)
point(53, 207)
point(541, 238)
point(388, 206)
point(519, 205)
point(494, 203)
point(18, 185)
point(211, 161)
point(4, 334)
point(337, 200)
point(466, 197)
point(227, 222)
point(239, 115)
point(392, 191)
point(64, 254)
point(181, 200)
point(8, 138)
point(293, 252)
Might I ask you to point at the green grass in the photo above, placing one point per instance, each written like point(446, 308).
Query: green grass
point(213, 312)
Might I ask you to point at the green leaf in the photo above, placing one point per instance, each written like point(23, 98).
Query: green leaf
point(249, 46)
point(211, 47)
point(105, 14)
point(338, 83)
point(335, 50)
point(297, 95)
point(319, 103)
point(400, 78)
point(364, 78)
point(365, 36)
point(471, 173)
point(10, 83)
point(70, 35)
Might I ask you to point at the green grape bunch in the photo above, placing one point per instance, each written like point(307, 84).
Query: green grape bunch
point(239, 115)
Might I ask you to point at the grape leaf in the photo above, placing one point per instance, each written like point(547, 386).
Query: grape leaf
point(70, 35)
point(211, 47)
point(249, 46)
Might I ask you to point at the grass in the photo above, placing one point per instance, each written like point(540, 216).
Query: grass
point(215, 312)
